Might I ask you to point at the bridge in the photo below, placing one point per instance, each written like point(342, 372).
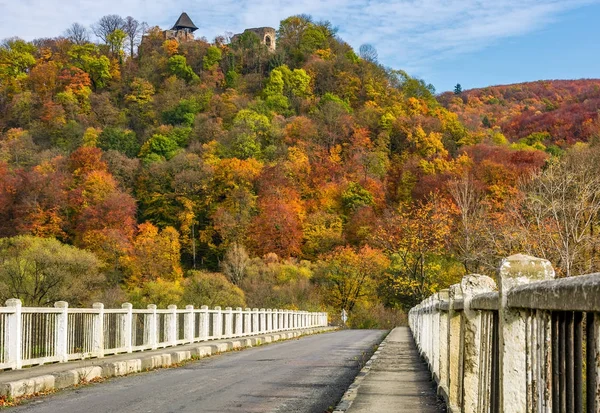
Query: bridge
point(531, 345)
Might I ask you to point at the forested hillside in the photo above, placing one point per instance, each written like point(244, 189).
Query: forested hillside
point(313, 177)
point(555, 113)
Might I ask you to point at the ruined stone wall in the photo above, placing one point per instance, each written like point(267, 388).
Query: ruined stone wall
point(181, 36)
point(266, 35)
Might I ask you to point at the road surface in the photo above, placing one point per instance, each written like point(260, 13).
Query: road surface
point(307, 375)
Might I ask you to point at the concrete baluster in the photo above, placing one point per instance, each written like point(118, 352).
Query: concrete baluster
point(516, 270)
point(593, 359)
point(472, 285)
point(62, 330)
point(98, 331)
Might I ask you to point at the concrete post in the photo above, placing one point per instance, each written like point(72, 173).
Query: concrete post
point(14, 334)
point(98, 332)
point(472, 285)
point(255, 326)
point(269, 320)
point(444, 297)
point(217, 323)
point(62, 330)
point(247, 321)
point(151, 331)
point(261, 326)
point(172, 325)
point(228, 322)
point(435, 337)
point(455, 342)
point(188, 324)
point(516, 270)
point(126, 324)
point(239, 323)
point(275, 320)
point(204, 323)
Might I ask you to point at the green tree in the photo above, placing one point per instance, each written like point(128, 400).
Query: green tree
point(40, 271)
point(16, 57)
point(212, 58)
point(87, 58)
point(178, 66)
point(121, 140)
point(211, 289)
point(158, 147)
point(115, 41)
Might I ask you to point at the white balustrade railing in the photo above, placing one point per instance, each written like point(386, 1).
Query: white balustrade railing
point(30, 336)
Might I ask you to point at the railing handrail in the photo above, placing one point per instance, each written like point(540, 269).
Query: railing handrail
point(581, 293)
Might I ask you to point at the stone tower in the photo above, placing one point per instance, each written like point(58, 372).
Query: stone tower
point(265, 34)
point(182, 30)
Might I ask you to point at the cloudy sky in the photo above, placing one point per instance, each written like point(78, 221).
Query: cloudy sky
point(472, 42)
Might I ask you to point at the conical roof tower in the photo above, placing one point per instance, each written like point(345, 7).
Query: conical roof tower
point(185, 23)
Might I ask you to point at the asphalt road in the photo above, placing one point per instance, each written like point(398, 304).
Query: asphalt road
point(307, 375)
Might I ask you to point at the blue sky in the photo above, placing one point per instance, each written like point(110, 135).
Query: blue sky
point(472, 42)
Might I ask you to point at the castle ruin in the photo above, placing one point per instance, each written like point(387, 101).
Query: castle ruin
point(183, 31)
point(266, 35)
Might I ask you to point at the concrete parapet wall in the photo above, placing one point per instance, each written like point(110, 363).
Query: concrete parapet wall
point(519, 349)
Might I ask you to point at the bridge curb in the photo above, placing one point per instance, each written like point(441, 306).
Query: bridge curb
point(139, 362)
point(352, 391)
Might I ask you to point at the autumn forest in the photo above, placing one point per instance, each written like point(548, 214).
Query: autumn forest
point(139, 169)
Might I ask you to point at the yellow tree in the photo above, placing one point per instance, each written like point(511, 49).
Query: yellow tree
point(347, 276)
point(155, 255)
point(416, 240)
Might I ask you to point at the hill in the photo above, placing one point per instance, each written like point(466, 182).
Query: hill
point(559, 112)
point(309, 176)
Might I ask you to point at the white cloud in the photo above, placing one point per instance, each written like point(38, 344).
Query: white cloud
point(409, 34)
